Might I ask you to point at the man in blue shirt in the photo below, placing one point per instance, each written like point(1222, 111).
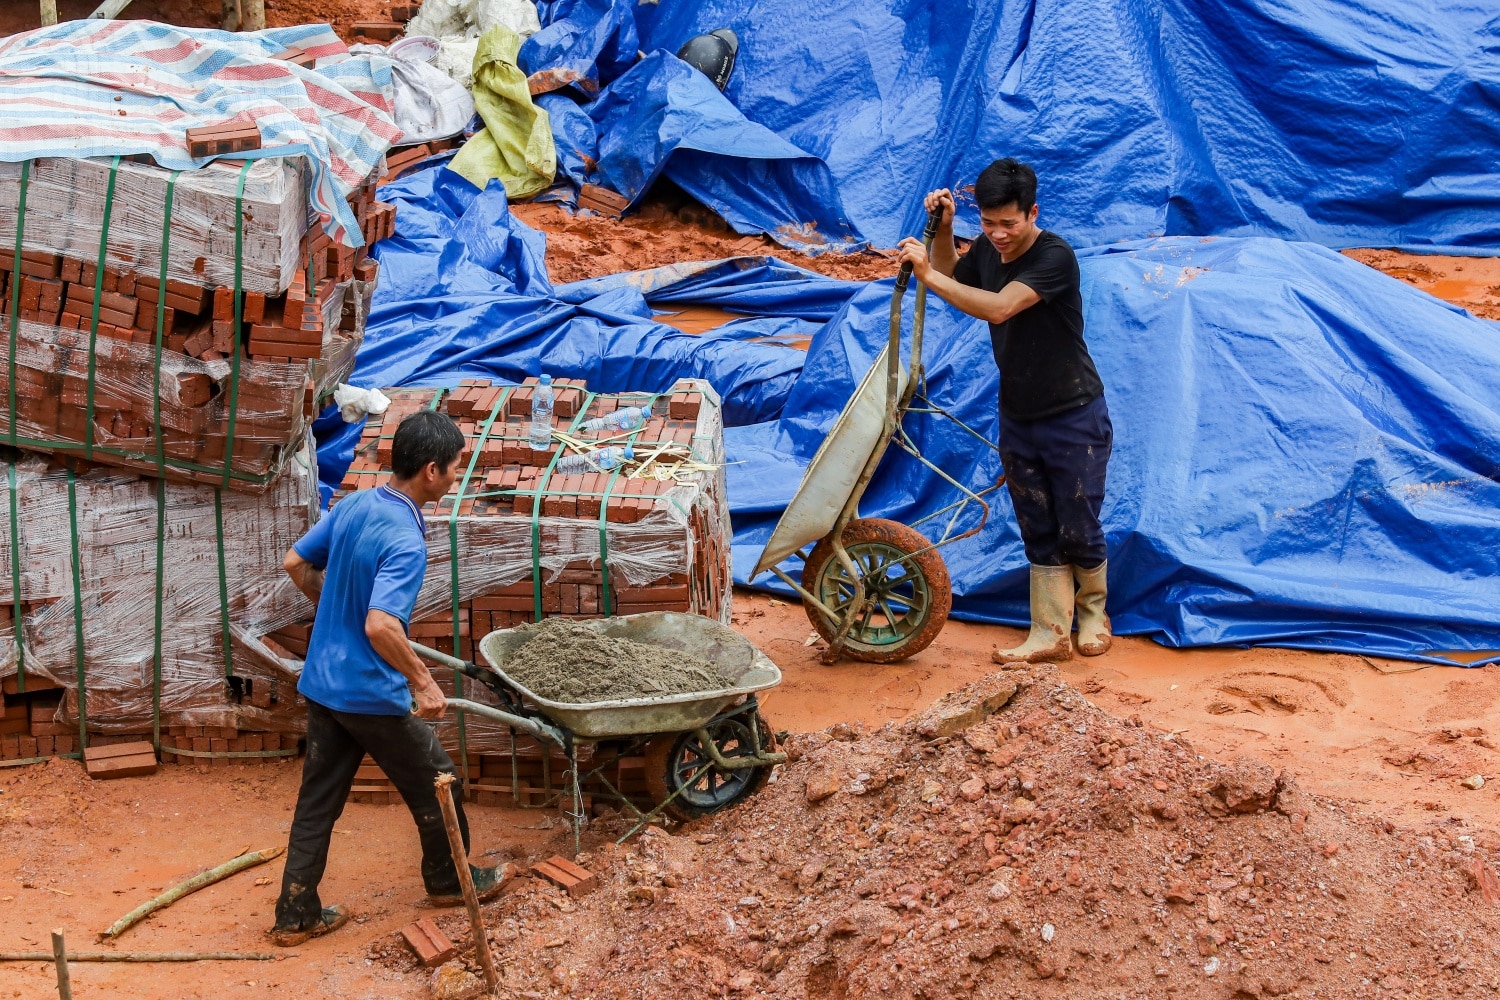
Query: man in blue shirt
point(366, 691)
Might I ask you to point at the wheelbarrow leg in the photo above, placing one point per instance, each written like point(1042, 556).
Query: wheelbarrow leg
point(856, 606)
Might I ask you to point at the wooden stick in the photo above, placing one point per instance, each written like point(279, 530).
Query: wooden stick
point(49, 12)
point(60, 957)
point(134, 956)
point(466, 879)
point(192, 885)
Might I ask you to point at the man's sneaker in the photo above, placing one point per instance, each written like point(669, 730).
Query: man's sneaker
point(332, 919)
point(487, 885)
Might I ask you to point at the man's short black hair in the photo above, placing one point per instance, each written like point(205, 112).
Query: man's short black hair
point(425, 436)
point(1006, 182)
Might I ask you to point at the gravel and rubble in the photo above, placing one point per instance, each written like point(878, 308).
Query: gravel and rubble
point(1011, 841)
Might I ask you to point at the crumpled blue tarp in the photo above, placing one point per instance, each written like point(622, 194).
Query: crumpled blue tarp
point(664, 118)
point(1359, 123)
point(583, 43)
point(1307, 452)
point(463, 293)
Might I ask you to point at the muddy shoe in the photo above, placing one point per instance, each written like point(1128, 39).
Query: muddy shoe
point(487, 885)
point(333, 918)
point(1051, 619)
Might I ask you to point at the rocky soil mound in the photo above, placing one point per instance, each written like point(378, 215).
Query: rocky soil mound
point(1013, 841)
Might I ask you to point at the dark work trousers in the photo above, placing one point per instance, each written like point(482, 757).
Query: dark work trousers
point(1054, 469)
point(408, 751)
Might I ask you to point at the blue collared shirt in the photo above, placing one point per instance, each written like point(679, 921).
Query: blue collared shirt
point(373, 549)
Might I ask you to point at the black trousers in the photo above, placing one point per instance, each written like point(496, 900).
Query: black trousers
point(1054, 470)
point(408, 751)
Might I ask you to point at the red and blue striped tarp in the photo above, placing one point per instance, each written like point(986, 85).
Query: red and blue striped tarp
point(121, 88)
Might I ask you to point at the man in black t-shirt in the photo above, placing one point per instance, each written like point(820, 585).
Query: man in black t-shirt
point(1055, 432)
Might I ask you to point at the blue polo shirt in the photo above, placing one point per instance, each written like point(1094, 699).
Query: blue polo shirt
point(373, 549)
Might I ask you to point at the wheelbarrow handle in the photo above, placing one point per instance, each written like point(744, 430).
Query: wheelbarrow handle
point(934, 220)
point(466, 667)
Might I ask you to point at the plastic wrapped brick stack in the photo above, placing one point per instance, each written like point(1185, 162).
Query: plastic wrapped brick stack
point(205, 305)
point(141, 603)
point(515, 541)
point(170, 334)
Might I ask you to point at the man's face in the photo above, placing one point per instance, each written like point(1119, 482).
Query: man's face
point(1007, 227)
point(437, 480)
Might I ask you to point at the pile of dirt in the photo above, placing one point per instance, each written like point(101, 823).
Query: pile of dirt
point(47, 795)
point(665, 232)
point(1047, 849)
point(567, 661)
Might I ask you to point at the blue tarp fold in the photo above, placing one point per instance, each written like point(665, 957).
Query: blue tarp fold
point(1307, 451)
point(1356, 123)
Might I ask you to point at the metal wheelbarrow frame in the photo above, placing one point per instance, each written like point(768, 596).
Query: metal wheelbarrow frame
point(830, 483)
point(682, 732)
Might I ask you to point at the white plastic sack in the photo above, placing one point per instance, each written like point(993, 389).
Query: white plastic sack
point(429, 103)
point(354, 404)
point(472, 18)
point(456, 58)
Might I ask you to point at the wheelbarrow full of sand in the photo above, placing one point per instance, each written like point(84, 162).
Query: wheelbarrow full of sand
point(703, 750)
point(875, 589)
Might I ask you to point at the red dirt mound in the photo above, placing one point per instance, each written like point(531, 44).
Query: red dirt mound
point(1047, 850)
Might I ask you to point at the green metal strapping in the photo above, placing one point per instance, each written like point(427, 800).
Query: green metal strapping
point(234, 369)
point(458, 678)
point(161, 485)
point(536, 508)
point(223, 581)
point(109, 201)
point(15, 294)
point(83, 713)
point(606, 596)
point(15, 578)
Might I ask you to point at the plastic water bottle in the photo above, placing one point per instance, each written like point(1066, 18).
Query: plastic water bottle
point(617, 422)
point(601, 460)
point(540, 433)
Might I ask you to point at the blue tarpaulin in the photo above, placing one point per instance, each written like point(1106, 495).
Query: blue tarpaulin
point(1354, 122)
point(1307, 452)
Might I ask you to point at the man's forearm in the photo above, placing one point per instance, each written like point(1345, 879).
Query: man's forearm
point(993, 307)
point(308, 580)
point(390, 642)
point(944, 254)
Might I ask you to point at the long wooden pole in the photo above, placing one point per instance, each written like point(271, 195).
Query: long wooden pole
point(192, 885)
point(134, 956)
point(60, 956)
point(49, 12)
point(466, 879)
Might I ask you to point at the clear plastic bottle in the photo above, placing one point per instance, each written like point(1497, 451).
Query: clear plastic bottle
point(601, 460)
point(618, 422)
point(540, 432)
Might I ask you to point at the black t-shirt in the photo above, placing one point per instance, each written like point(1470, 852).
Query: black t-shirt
point(1045, 368)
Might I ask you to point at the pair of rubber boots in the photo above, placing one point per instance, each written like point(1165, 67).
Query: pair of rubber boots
point(1056, 591)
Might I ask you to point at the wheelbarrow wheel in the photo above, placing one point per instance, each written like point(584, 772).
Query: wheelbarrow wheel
point(911, 594)
point(673, 761)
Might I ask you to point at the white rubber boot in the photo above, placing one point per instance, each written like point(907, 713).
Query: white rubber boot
point(1051, 619)
point(1094, 635)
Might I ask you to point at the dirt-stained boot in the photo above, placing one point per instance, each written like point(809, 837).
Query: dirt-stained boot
point(1094, 635)
point(1051, 619)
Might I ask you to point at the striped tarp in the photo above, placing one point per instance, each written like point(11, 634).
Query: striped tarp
point(118, 88)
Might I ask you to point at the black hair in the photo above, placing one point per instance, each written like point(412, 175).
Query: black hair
point(1006, 182)
point(425, 436)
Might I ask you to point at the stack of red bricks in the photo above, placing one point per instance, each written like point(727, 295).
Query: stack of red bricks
point(402, 158)
point(87, 372)
point(533, 543)
point(28, 720)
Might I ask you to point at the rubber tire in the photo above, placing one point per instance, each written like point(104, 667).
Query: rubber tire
point(930, 564)
point(662, 750)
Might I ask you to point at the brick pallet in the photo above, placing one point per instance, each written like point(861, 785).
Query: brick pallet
point(533, 544)
point(85, 546)
point(253, 332)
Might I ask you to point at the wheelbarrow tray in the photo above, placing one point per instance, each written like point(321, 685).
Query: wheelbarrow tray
point(832, 474)
point(749, 668)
